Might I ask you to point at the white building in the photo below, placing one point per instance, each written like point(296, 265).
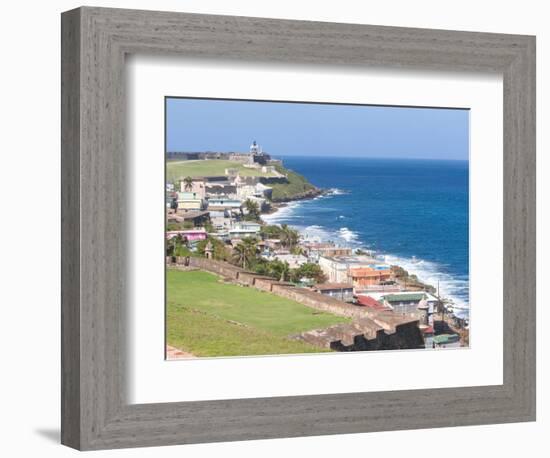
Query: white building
point(243, 229)
point(336, 268)
point(294, 260)
point(255, 148)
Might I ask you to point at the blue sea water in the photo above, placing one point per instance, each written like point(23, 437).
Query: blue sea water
point(414, 213)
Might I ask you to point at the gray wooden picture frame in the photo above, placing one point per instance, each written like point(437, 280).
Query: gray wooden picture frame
point(95, 413)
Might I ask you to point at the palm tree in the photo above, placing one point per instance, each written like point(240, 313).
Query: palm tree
point(245, 252)
point(253, 209)
point(188, 184)
point(284, 272)
point(289, 236)
point(239, 255)
point(279, 269)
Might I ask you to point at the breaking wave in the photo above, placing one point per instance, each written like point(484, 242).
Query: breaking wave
point(347, 235)
point(451, 287)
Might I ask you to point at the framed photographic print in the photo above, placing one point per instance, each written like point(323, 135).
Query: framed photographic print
point(288, 228)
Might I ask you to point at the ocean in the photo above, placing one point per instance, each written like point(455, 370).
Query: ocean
point(413, 213)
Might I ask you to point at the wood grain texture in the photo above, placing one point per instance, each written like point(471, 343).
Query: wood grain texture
point(70, 229)
point(95, 413)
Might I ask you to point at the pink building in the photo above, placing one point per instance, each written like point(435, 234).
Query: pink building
point(191, 235)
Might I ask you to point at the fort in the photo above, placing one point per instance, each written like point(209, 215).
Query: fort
point(255, 156)
point(368, 330)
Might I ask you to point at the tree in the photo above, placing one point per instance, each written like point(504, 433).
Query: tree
point(253, 210)
point(188, 184)
point(244, 253)
point(279, 269)
point(289, 237)
point(177, 246)
point(219, 250)
point(174, 204)
point(270, 231)
point(309, 270)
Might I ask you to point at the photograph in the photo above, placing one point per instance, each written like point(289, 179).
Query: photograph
point(299, 227)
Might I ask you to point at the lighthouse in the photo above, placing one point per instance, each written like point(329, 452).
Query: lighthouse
point(255, 148)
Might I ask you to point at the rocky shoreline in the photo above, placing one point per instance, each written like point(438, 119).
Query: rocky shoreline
point(281, 203)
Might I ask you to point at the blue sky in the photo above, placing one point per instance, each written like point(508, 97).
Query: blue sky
point(317, 129)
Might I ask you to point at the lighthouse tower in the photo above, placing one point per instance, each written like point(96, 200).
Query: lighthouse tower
point(255, 148)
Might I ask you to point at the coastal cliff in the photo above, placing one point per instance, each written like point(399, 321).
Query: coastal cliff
point(297, 187)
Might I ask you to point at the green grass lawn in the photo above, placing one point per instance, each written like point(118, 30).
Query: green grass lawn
point(207, 317)
point(215, 167)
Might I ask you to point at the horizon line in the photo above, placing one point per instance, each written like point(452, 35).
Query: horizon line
point(324, 155)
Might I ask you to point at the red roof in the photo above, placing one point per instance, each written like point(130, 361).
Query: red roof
point(368, 301)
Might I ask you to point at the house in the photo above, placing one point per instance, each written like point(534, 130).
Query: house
point(244, 229)
point(340, 291)
point(196, 186)
point(190, 201)
point(223, 203)
point(198, 218)
point(370, 302)
point(314, 250)
point(374, 274)
point(245, 191)
point(411, 299)
point(248, 225)
point(409, 302)
point(336, 268)
point(193, 235)
point(293, 260)
point(220, 188)
point(221, 219)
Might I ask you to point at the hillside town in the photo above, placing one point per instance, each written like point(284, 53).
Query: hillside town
point(214, 223)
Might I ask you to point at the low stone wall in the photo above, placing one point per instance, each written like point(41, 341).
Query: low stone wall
point(317, 300)
point(221, 268)
point(264, 283)
point(250, 278)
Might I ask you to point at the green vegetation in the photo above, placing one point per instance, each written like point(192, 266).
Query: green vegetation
point(410, 280)
point(245, 252)
point(209, 318)
point(310, 271)
point(270, 231)
point(252, 211)
point(297, 187)
point(180, 226)
point(188, 183)
point(177, 247)
point(276, 269)
point(176, 170)
point(288, 236)
point(220, 251)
